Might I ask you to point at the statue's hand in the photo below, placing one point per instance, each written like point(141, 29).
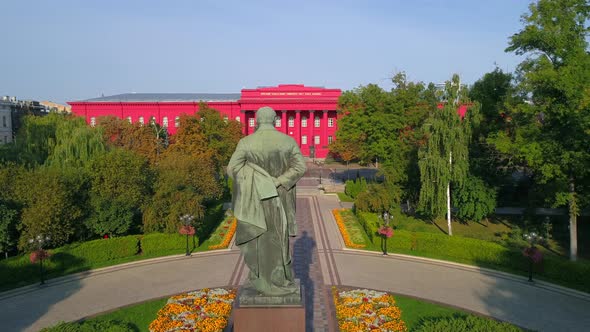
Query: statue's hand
point(276, 181)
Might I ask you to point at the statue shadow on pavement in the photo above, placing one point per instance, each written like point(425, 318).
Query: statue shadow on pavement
point(28, 307)
point(302, 260)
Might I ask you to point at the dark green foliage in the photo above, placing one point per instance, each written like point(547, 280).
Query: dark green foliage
point(75, 257)
point(462, 323)
point(474, 200)
point(56, 214)
point(369, 222)
point(354, 187)
point(158, 244)
point(120, 183)
point(376, 198)
point(8, 223)
point(93, 326)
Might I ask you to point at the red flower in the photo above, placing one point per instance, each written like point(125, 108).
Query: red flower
point(187, 230)
point(365, 299)
point(106, 236)
point(38, 255)
point(386, 231)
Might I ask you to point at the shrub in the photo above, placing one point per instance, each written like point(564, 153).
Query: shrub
point(103, 250)
point(369, 222)
point(353, 188)
point(156, 244)
point(474, 200)
point(375, 198)
point(465, 324)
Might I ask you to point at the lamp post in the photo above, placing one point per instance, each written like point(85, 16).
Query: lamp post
point(321, 165)
point(385, 231)
point(533, 254)
point(39, 254)
point(187, 229)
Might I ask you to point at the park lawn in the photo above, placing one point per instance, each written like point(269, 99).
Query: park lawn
point(355, 231)
point(139, 316)
point(489, 254)
point(18, 271)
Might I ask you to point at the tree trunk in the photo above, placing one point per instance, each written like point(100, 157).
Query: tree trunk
point(449, 197)
point(573, 223)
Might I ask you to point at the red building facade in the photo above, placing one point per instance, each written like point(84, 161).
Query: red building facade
point(308, 114)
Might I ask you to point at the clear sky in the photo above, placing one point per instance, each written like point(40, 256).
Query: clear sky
point(70, 50)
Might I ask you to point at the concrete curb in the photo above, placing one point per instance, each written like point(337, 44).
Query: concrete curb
point(500, 274)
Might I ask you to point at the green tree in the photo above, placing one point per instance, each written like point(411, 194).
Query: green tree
point(120, 184)
point(444, 159)
point(48, 207)
point(75, 143)
point(185, 183)
point(474, 199)
point(553, 136)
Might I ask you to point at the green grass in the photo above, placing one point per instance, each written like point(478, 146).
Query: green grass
point(136, 318)
point(502, 256)
point(139, 316)
point(220, 232)
point(18, 271)
point(345, 198)
point(355, 231)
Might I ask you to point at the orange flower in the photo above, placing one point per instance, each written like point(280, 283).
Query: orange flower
point(343, 231)
point(228, 236)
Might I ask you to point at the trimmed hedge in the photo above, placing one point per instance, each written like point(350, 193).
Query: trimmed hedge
point(158, 244)
point(370, 223)
point(465, 324)
point(18, 271)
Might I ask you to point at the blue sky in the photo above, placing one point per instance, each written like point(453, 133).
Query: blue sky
point(71, 50)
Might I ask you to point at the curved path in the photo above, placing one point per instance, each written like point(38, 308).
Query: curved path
point(320, 261)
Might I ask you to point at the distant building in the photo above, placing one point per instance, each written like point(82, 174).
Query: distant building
point(5, 122)
point(308, 114)
point(55, 107)
point(17, 109)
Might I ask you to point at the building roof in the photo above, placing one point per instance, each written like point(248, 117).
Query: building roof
point(167, 97)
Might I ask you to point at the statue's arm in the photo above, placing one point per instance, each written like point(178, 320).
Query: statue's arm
point(237, 161)
point(296, 169)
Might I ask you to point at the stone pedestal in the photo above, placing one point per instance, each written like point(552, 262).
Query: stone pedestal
point(258, 313)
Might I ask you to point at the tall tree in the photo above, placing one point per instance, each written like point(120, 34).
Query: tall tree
point(120, 184)
point(75, 143)
point(554, 135)
point(444, 159)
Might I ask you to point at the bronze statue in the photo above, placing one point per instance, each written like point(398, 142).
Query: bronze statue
point(265, 168)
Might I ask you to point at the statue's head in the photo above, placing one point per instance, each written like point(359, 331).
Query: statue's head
point(265, 115)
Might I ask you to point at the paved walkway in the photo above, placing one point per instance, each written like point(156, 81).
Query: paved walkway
point(320, 261)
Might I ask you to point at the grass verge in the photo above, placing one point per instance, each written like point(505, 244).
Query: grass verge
point(477, 252)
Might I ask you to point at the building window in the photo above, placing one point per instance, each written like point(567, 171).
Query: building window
point(291, 122)
point(153, 121)
point(93, 121)
point(129, 119)
point(303, 139)
point(329, 139)
point(165, 122)
point(225, 118)
point(4, 120)
point(330, 122)
point(277, 122)
point(141, 121)
point(316, 122)
point(251, 122)
point(316, 140)
point(304, 121)
point(177, 122)
point(238, 119)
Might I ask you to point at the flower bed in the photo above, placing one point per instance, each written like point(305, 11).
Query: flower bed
point(231, 226)
point(367, 310)
point(340, 222)
point(206, 310)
